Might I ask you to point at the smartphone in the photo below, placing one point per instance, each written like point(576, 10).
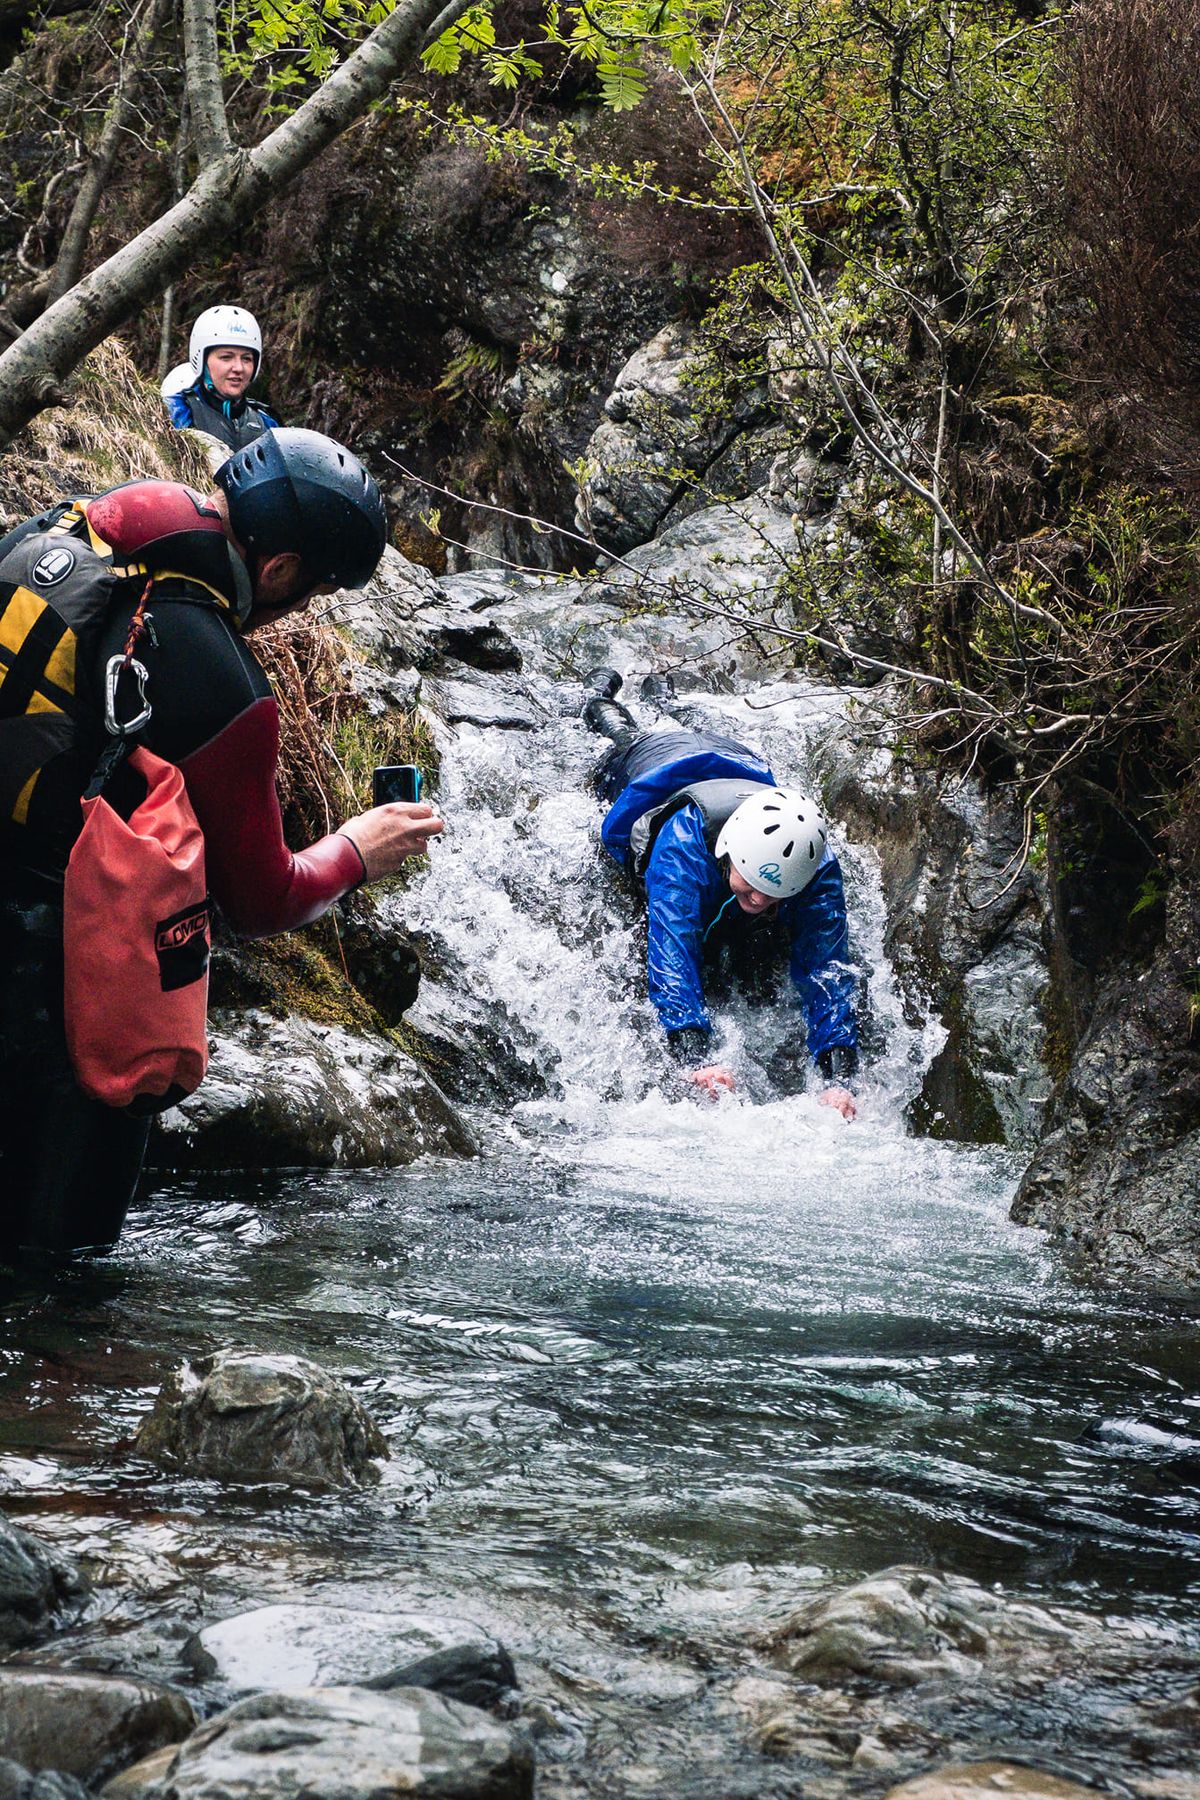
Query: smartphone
point(395, 781)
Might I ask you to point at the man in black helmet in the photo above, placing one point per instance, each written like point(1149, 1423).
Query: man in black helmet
point(293, 515)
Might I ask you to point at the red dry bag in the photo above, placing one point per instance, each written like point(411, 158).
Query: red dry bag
point(136, 943)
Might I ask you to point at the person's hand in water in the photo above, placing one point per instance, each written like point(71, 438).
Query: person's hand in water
point(841, 1100)
point(713, 1078)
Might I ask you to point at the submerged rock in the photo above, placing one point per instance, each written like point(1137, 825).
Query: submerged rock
point(36, 1582)
point(284, 1093)
point(84, 1724)
point(477, 1674)
point(334, 1646)
point(988, 1781)
point(17, 1783)
point(906, 1625)
point(340, 1743)
point(244, 1417)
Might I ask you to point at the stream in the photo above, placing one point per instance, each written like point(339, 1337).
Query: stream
point(651, 1370)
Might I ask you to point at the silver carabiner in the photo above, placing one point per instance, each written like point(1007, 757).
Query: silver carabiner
point(112, 679)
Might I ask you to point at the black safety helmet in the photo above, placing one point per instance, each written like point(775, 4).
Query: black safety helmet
point(299, 491)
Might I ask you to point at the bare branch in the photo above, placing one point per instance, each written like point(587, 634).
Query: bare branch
point(130, 68)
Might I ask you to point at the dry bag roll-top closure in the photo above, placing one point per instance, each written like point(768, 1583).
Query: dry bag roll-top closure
point(136, 933)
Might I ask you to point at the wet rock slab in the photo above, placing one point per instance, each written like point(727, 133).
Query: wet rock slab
point(323, 1646)
point(37, 1583)
point(85, 1725)
point(242, 1417)
point(340, 1743)
point(290, 1093)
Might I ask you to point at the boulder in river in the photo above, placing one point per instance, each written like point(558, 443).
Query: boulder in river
point(241, 1416)
point(36, 1582)
point(906, 1625)
point(337, 1646)
point(84, 1724)
point(989, 1781)
point(340, 1743)
point(284, 1093)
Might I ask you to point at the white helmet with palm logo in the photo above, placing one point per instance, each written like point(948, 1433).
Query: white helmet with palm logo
point(775, 840)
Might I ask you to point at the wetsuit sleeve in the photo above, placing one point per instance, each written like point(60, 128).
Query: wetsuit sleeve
point(258, 883)
point(820, 965)
point(677, 880)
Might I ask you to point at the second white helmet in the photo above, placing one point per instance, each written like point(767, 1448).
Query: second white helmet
point(224, 325)
point(775, 840)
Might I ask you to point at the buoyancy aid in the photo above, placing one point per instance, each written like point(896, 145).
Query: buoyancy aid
point(715, 801)
point(61, 576)
point(200, 408)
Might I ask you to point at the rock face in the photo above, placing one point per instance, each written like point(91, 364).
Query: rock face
point(85, 1725)
point(652, 457)
point(341, 1743)
point(37, 1583)
point(967, 929)
point(1118, 1174)
point(242, 1417)
point(325, 1646)
point(284, 1093)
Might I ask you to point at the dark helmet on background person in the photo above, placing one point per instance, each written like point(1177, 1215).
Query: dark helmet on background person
point(294, 490)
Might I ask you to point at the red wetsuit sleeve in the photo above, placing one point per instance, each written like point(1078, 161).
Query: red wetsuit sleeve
point(258, 883)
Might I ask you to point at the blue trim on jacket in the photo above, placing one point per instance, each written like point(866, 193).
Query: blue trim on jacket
point(180, 413)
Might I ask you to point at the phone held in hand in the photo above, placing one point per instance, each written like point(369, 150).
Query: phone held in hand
point(395, 781)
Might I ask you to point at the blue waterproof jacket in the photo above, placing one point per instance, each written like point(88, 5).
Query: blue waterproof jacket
point(687, 895)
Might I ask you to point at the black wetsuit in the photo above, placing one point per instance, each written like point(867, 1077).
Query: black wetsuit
point(68, 1165)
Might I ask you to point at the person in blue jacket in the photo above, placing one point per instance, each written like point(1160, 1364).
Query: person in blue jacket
point(208, 392)
point(722, 850)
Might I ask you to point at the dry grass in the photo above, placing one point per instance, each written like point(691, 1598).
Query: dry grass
point(115, 430)
point(331, 740)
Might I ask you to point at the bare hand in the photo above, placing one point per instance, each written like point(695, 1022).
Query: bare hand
point(841, 1100)
point(386, 835)
point(712, 1078)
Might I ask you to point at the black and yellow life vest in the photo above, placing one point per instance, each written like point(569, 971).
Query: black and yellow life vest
point(60, 582)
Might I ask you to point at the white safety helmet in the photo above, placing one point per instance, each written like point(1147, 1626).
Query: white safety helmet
point(775, 840)
point(223, 326)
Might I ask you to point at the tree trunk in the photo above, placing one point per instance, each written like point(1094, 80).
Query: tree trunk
point(228, 192)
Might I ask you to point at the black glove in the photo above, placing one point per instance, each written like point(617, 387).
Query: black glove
point(839, 1063)
point(689, 1046)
